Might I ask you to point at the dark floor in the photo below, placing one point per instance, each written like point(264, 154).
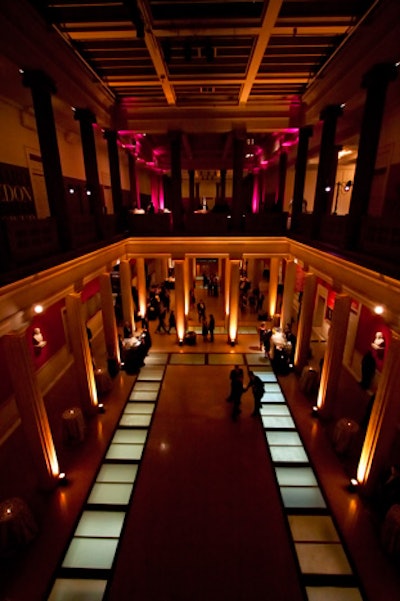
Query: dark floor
point(196, 479)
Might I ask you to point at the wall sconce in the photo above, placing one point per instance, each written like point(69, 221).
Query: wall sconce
point(345, 186)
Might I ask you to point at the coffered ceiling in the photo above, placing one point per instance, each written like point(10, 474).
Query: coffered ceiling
point(206, 67)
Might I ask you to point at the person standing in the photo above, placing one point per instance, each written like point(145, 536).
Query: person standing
point(204, 329)
point(161, 321)
point(211, 327)
point(257, 386)
point(201, 310)
point(171, 321)
point(236, 394)
point(236, 374)
point(261, 333)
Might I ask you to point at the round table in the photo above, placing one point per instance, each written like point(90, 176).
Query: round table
point(17, 526)
point(344, 434)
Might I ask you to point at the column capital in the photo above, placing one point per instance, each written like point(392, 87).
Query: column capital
point(36, 78)
point(380, 74)
point(81, 114)
point(331, 111)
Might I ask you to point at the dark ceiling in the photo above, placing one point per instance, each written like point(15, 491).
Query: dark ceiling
point(206, 65)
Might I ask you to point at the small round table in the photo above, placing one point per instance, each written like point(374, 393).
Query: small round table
point(73, 425)
point(344, 434)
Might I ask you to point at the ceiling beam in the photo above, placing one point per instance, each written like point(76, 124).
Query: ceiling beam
point(269, 20)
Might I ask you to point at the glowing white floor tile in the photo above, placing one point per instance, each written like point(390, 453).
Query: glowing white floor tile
point(91, 553)
point(151, 374)
point(277, 422)
point(295, 476)
point(142, 386)
point(143, 395)
point(187, 359)
point(273, 397)
point(320, 558)
point(141, 408)
point(125, 452)
point(291, 439)
point(102, 524)
point(281, 454)
point(271, 409)
point(130, 436)
point(247, 330)
point(110, 494)
point(271, 387)
point(257, 359)
point(132, 420)
point(315, 528)
point(114, 472)
point(225, 359)
point(74, 589)
point(157, 359)
point(332, 593)
point(298, 497)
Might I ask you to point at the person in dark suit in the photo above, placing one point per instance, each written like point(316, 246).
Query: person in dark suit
point(211, 326)
point(257, 386)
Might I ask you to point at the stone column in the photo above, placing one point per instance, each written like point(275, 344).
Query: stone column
point(376, 82)
point(113, 160)
point(180, 300)
point(327, 402)
point(282, 169)
point(305, 322)
point(141, 284)
point(86, 121)
point(273, 286)
point(325, 177)
point(132, 181)
point(192, 205)
point(108, 314)
point(227, 290)
point(128, 310)
point(288, 294)
point(239, 142)
point(82, 355)
point(233, 321)
point(383, 424)
point(305, 134)
point(31, 409)
point(42, 87)
point(176, 178)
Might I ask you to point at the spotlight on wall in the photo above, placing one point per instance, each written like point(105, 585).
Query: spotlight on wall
point(378, 309)
point(38, 309)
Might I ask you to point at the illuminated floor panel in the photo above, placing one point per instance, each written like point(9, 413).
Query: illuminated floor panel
point(277, 422)
point(130, 436)
point(157, 359)
point(146, 386)
point(271, 409)
point(131, 420)
point(281, 454)
point(110, 493)
point(151, 374)
point(144, 395)
point(271, 387)
point(74, 589)
point(90, 553)
point(257, 359)
point(273, 397)
point(332, 593)
point(313, 528)
point(283, 438)
point(307, 497)
point(295, 476)
point(114, 472)
point(320, 558)
point(140, 408)
point(104, 524)
point(125, 452)
point(225, 359)
point(187, 359)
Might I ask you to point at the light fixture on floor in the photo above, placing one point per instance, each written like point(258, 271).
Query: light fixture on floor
point(353, 486)
point(62, 479)
point(101, 408)
point(314, 411)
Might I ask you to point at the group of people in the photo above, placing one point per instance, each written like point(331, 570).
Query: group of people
point(237, 389)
